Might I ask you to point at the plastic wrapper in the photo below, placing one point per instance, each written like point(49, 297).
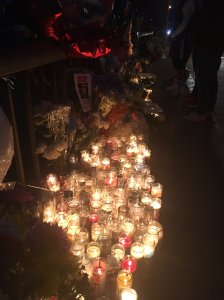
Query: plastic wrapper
point(6, 145)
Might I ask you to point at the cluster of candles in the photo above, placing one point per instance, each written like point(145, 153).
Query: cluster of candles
point(112, 218)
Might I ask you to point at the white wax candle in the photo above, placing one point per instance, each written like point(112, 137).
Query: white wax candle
point(128, 294)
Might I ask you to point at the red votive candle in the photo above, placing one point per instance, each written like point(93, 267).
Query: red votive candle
point(94, 218)
point(125, 240)
point(129, 263)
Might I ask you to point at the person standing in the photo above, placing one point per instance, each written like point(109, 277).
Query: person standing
point(181, 42)
point(208, 48)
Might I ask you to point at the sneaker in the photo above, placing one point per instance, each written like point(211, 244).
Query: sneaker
point(195, 117)
point(191, 101)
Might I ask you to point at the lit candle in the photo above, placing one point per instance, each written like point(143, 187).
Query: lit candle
point(158, 225)
point(137, 250)
point(115, 227)
point(129, 263)
point(93, 249)
point(99, 271)
point(78, 249)
point(93, 217)
point(95, 148)
point(156, 206)
point(139, 159)
point(128, 226)
point(124, 279)
point(118, 251)
point(156, 190)
point(111, 179)
point(105, 163)
point(97, 194)
point(49, 215)
point(128, 294)
point(82, 236)
point(62, 219)
point(147, 153)
point(125, 240)
point(96, 230)
point(153, 233)
point(52, 182)
point(149, 245)
point(85, 155)
point(146, 199)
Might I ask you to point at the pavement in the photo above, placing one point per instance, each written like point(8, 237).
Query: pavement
point(188, 159)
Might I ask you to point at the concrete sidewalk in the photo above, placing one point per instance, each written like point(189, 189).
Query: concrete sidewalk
point(188, 159)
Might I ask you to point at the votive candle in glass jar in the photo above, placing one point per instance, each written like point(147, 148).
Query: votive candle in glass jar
point(96, 231)
point(49, 214)
point(85, 156)
point(156, 190)
point(86, 262)
point(93, 249)
point(146, 198)
point(94, 217)
point(147, 153)
point(83, 214)
point(129, 263)
point(53, 183)
point(78, 249)
point(153, 232)
point(137, 211)
point(128, 294)
point(72, 229)
point(73, 204)
point(149, 246)
point(105, 244)
point(82, 236)
point(137, 250)
point(105, 163)
point(118, 251)
point(123, 212)
point(111, 179)
point(158, 225)
point(95, 148)
point(156, 206)
point(62, 219)
point(124, 280)
point(125, 240)
point(95, 204)
point(147, 182)
point(128, 226)
point(99, 268)
point(97, 194)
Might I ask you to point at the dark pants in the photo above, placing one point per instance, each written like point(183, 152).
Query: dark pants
point(206, 65)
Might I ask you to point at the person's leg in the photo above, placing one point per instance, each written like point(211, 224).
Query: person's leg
point(208, 64)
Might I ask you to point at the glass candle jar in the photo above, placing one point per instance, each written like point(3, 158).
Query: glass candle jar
point(105, 244)
point(118, 251)
point(153, 232)
point(129, 263)
point(96, 231)
point(125, 240)
point(49, 213)
point(123, 212)
point(137, 250)
point(85, 156)
point(73, 204)
point(99, 268)
point(149, 246)
point(147, 182)
point(62, 219)
point(146, 198)
point(158, 225)
point(95, 148)
point(128, 294)
point(82, 236)
point(52, 182)
point(128, 226)
point(124, 280)
point(72, 229)
point(93, 250)
point(111, 179)
point(156, 206)
point(94, 217)
point(96, 194)
point(85, 261)
point(156, 190)
point(78, 249)
point(137, 211)
point(105, 163)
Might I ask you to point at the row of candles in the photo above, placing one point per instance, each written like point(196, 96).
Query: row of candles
point(111, 218)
